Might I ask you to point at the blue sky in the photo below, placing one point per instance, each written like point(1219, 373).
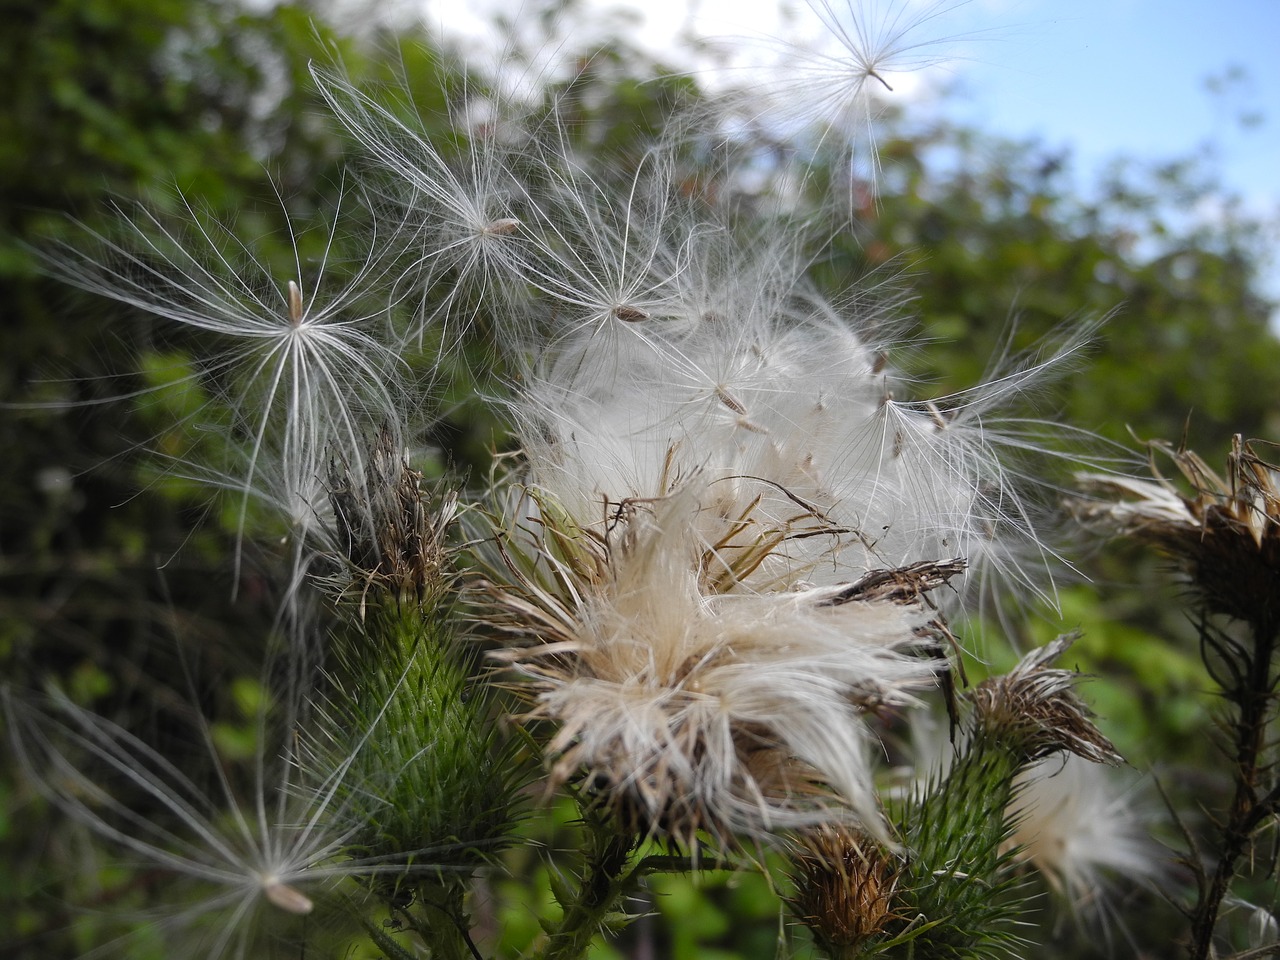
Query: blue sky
point(1128, 76)
point(1101, 78)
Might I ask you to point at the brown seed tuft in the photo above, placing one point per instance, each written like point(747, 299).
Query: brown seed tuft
point(1036, 709)
point(501, 228)
point(295, 304)
point(629, 314)
point(844, 886)
point(1225, 530)
point(287, 898)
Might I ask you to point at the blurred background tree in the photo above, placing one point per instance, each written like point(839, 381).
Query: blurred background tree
point(102, 563)
point(101, 567)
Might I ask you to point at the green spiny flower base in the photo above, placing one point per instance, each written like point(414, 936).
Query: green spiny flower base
point(953, 893)
point(433, 774)
point(431, 785)
point(953, 890)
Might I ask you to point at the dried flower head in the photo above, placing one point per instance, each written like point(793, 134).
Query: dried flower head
point(1035, 709)
point(844, 886)
point(384, 523)
point(1226, 530)
point(729, 713)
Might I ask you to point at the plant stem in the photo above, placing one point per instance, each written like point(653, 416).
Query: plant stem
point(1253, 694)
point(448, 936)
point(602, 886)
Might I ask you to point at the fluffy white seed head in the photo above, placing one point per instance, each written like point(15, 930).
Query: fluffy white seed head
point(471, 246)
point(1086, 832)
point(237, 848)
point(227, 860)
point(733, 713)
point(607, 254)
point(294, 367)
point(789, 420)
point(851, 60)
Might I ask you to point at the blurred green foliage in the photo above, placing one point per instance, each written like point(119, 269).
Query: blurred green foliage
point(997, 250)
point(103, 559)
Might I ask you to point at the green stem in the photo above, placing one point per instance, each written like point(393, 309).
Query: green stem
point(385, 942)
point(603, 884)
point(1254, 695)
point(449, 935)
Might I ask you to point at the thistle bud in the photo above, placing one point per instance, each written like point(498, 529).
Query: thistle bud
point(844, 887)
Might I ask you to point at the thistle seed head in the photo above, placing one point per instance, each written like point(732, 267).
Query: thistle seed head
point(384, 524)
point(1225, 530)
point(694, 711)
point(1036, 710)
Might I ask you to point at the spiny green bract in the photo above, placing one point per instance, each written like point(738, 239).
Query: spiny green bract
point(954, 887)
point(433, 772)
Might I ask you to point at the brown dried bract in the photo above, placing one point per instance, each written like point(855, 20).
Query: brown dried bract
point(383, 524)
point(844, 886)
point(1225, 530)
point(1036, 709)
point(901, 585)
